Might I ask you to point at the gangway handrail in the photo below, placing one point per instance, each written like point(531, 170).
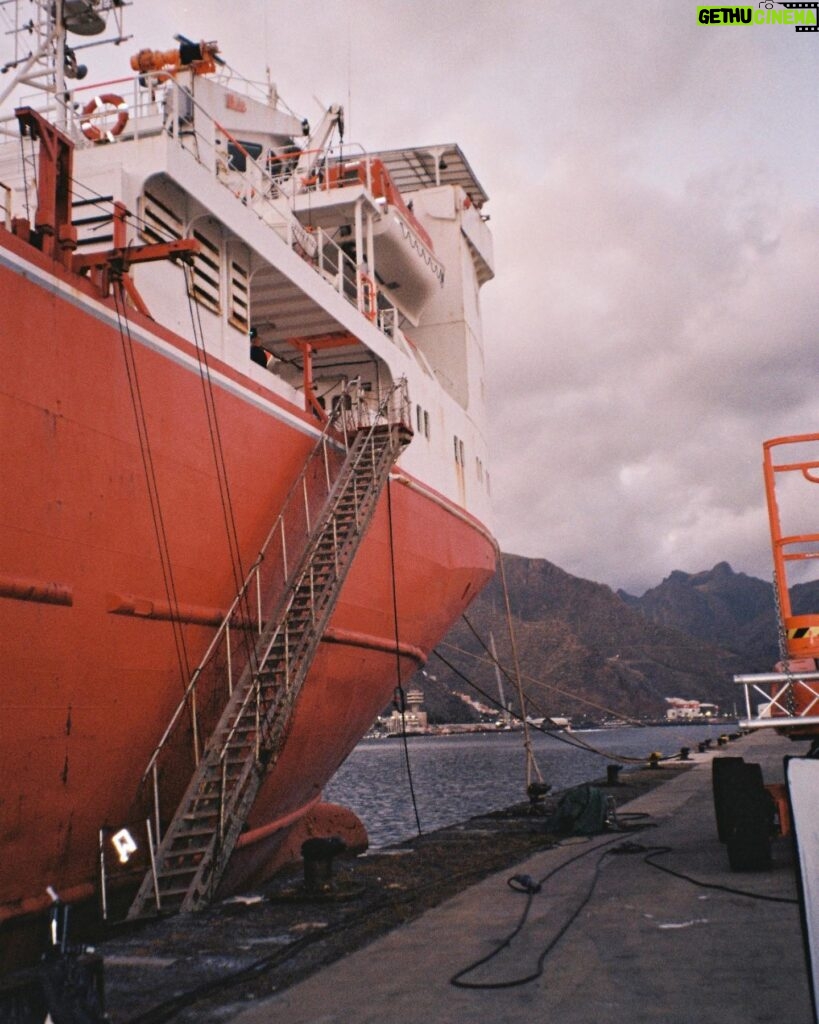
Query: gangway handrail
point(249, 579)
point(344, 421)
point(380, 417)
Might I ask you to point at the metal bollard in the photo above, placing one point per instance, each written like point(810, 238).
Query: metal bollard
point(612, 773)
point(536, 791)
point(684, 752)
point(318, 857)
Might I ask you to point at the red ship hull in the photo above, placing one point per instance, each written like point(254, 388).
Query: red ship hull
point(91, 671)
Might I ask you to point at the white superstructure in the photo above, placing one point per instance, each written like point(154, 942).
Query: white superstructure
point(342, 263)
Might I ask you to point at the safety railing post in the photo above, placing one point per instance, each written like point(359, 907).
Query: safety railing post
point(320, 251)
point(257, 722)
point(306, 505)
point(152, 855)
point(356, 508)
point(156, 803)
point(259, 599)
point(222, 795)
point(229, 660)
point(103, 878)
point(195, 726)
point(326, 463)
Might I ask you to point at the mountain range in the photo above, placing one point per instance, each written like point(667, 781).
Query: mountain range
point(590, 653)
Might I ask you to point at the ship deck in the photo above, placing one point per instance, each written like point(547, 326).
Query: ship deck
point(400, 924)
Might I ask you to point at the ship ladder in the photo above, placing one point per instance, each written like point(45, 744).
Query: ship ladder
point(197, 845)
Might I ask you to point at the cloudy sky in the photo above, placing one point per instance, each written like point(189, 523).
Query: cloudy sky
point(653, 198)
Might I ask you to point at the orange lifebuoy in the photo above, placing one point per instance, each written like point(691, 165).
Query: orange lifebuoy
point(92, 131)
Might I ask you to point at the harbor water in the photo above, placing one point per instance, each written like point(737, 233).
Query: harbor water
point(456, 777)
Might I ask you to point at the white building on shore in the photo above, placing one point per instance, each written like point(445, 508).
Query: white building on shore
point(685, 710)
point(414, 718)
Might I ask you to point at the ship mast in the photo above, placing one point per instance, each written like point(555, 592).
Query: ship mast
point(43, 58)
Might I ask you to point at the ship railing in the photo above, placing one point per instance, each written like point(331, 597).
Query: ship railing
point(268, 192)
point(364, 415)
point(367, 409)
point(780, 700)
point(156, 104)
point(5, 205)
point(232, 647)
point(334, 169)
point(144, 104)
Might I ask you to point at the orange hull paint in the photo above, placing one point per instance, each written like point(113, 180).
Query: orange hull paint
point(90, 679)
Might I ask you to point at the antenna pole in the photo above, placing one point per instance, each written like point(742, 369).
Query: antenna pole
point(59, 64)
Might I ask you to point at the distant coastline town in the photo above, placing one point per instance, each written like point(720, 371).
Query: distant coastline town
point(413, 720)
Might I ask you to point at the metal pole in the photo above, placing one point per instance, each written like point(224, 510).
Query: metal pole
point(306, 503)
point(222, 791)
point(527, 740)
point(326, 462)
point(156, 802)
point(154, 875)
point(195, 728)
point(258, 686)
point(103, 879)
point(259, 598)
point(229, 661)
point(774, 677)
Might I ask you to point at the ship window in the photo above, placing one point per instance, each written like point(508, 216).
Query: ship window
point(159, 222)
point(206, 266)
point(426, 424)
point(419, 418)
point(237, 161)
point(238, 296)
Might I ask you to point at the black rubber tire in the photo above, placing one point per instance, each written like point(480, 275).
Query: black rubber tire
point(726, 779)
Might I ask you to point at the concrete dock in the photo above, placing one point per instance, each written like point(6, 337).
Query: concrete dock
point(609, 938)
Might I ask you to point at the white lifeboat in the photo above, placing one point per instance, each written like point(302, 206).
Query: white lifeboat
point(408, 268)
point(403, 260)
